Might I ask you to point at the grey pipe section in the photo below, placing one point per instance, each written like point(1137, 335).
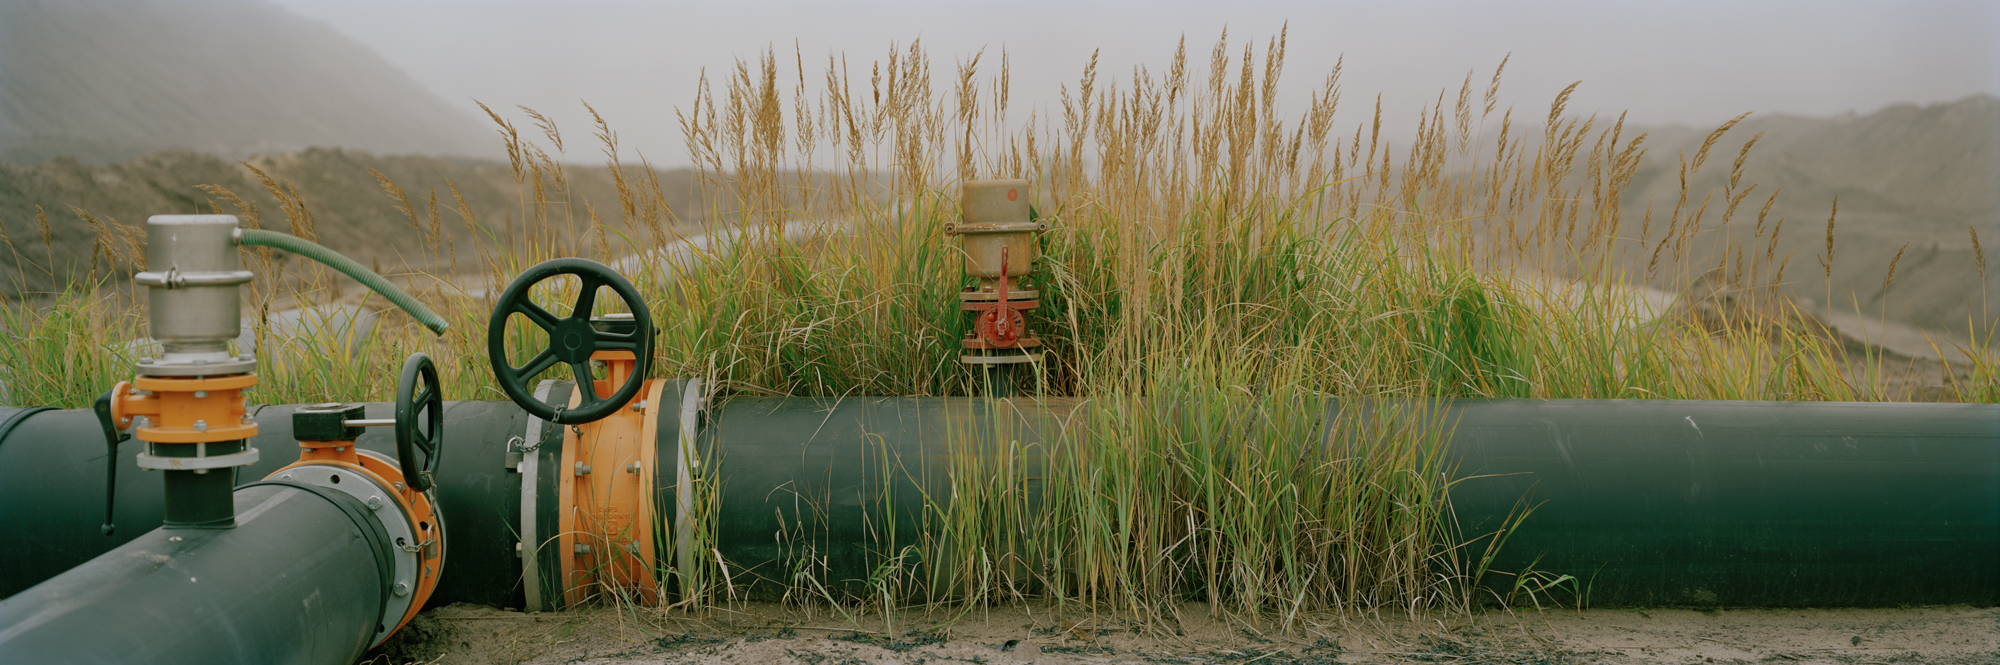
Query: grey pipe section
point(298, 581)
point(1644, 502)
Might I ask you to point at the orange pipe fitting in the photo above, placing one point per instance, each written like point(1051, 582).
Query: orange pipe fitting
point(607, 521)
point(185, 409)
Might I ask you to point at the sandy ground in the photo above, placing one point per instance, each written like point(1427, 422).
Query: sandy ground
point(754, 633)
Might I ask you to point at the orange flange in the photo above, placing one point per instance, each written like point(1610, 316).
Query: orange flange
point(606, 524)
point(185, 409)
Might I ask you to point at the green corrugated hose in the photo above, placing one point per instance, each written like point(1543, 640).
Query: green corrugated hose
point(346, 266)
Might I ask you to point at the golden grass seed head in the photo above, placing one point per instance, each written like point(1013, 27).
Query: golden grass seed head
point(1978, 254)
point(1891, 277)
point(1826, 260)
point(1702, 154)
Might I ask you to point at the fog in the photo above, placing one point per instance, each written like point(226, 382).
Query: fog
point(1695, 63)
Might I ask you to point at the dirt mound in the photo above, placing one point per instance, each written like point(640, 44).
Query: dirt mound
point(103, 81)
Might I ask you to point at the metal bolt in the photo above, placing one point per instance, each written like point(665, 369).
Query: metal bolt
point(399, 486)
point(141, 421)
point(285, 477)
point(201, 394)
point(582, 548)
point(248, 420)
point(201, 425)
point(582, 469)
point(632, 547)
point(173, 539)
point(402, 588)
point(374, 503)
point(517, 549)
point(632, 468)
point(639, 405)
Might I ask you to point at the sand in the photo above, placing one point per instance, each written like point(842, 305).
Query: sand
point(1037, 633)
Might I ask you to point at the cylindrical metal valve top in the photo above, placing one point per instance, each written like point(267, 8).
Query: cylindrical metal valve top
point(196, 309)
point(996, 215)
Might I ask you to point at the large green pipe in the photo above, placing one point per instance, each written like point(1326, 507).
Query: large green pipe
point(52, 499)
point(842, 483)
point(301, 579)
point(1734, 504)
point(1644, 502)
point(1647, 502)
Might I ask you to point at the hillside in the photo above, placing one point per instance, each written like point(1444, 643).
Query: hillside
point(104, 81)
point(350, 211)
point(1924, 177)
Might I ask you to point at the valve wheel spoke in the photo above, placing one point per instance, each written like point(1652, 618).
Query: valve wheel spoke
point(536, 365)
point(431, 399)
point(615, 342)
point(586, 299)
point(542, 318)
point(585, 384)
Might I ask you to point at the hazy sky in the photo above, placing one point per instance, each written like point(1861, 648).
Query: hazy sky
point(1666, 61)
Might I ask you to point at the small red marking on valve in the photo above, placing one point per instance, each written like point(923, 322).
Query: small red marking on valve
point(1013, 194)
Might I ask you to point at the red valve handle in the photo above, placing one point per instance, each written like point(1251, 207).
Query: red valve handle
point(1000, 325)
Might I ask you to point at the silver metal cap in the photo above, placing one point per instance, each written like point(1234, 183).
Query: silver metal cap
point(194, 298)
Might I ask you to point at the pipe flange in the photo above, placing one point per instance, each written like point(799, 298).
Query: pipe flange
point(961, 228)
point(364, 487)
point(1000, 360)
point(694, 401)
point(530, 468)
point(148, 460)
point(992, 296)
point(175, 364)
